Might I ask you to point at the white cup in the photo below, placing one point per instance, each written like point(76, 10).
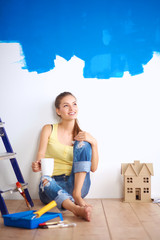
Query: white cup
point(47, 166)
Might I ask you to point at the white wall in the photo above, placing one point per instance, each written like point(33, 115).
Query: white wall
point(122, 114)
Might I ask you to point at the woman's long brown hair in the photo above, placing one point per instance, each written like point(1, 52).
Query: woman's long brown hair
point(58, 100)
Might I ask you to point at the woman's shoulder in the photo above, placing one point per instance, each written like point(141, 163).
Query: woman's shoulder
point(47, 128)
point(49, 125)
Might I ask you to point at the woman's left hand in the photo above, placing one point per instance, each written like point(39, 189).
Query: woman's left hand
point(84, 136)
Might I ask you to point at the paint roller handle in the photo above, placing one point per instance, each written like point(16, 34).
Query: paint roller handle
point(43, 210)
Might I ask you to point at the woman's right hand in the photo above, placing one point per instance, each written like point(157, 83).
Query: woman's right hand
point(36, 166)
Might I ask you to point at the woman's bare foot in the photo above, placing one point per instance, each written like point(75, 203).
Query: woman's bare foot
point(80, 211)
point(84, 212)
point(80, 201)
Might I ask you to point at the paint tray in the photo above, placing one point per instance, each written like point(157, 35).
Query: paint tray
point(26, 220)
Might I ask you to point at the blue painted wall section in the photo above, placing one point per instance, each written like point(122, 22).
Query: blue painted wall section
point(111, 36)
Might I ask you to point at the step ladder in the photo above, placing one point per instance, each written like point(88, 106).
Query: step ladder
point(11, 156)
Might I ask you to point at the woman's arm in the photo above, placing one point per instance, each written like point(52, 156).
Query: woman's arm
point(45, 134)
point(84, 136)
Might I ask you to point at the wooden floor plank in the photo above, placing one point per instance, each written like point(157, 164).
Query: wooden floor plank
point(111, 220)
point(7, 233)
point(13, 205)
point(97, 229)
point(149, 215)
point(54, 234)
point(123, 222)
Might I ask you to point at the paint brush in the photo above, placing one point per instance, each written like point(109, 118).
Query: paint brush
point(51, 223)
point(61, 225)
point(21, 191)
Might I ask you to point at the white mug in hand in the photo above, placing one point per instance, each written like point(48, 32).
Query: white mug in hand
point(47, 166)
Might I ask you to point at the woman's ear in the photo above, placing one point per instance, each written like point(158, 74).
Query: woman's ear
point(57, 111)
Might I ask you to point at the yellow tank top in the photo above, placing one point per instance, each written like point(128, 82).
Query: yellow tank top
point(62, 154)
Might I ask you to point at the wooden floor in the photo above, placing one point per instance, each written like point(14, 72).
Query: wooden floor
point(111, 219)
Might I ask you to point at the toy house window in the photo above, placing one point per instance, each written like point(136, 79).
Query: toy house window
point(146, 180)
point(129, 190)
point(130, 180)
point(146, 190)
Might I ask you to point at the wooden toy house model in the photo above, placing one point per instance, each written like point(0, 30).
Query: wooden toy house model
point(137, 181)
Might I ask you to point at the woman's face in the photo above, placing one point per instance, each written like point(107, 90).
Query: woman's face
point(68, 109)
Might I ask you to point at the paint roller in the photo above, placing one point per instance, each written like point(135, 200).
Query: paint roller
point(43, 210)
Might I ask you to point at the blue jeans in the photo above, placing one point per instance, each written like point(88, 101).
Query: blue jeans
point(60, 188)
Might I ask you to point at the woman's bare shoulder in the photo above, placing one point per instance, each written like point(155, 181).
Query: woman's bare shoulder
point(47, 128)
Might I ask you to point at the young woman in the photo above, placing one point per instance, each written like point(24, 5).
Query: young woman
point(75, 154)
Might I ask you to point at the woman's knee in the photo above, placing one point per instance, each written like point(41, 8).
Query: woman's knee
point(82, 151)
point(49, 185)
point(82, 145)
point(45, 181)
point(82, 157)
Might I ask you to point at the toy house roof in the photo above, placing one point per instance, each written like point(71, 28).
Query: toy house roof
point(137, 169)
